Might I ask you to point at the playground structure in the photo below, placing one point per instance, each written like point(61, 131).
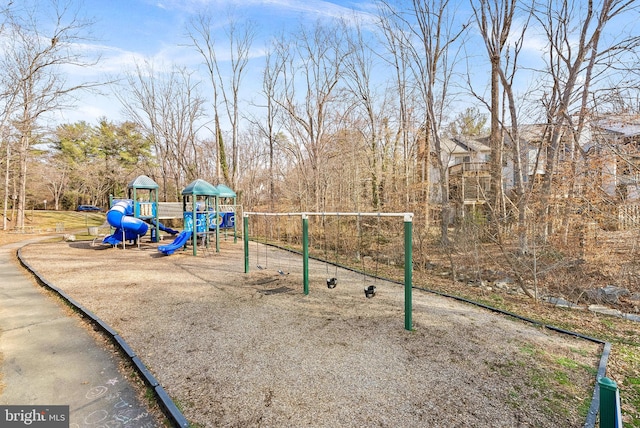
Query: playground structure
point(200, 213)
point(127, 227)
point(127, 216)
point(133, 216)
point(331, 282)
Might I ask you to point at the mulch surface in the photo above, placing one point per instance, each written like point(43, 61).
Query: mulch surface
point(238, 349)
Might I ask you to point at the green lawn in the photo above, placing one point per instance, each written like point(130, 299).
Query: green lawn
point(48, 221)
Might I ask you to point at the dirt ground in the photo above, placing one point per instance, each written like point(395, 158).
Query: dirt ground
point(236, 349)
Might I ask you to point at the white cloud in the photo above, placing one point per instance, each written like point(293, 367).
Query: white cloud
point(311, 9)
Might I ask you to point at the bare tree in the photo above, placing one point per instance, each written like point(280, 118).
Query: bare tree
point(168, 107)
point(519, 158)
point(225, 83)
point(431, 35)
point(56, 176)
point(8, 99)
point(307, 87)
point(401, 136)
point(36, 48)
point(359, 71)
point(573, 30)
point(494, 19)
point(268, 126)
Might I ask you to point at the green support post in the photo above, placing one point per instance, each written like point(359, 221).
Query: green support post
point(194, 233)
point(610, 416)
point(110, 206)
point(156, 208)
point(408, 271)
point(245, 226)
point(217, 227)
point(305, 253)
point(235, 221)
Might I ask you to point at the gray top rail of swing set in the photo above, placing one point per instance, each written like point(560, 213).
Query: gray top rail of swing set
point(408, 248)
point(408, 217)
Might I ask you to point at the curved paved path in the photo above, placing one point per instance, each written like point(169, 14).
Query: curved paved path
point(49, 358)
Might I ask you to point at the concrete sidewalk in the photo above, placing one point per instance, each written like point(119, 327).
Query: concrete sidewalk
point(49, 358)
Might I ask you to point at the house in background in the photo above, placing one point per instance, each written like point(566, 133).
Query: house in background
point(609, 151)
point(467, 163)
point(615, 152)
point(469, 167)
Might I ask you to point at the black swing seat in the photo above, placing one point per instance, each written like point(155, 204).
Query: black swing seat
point(370, 291)
point(332, 282)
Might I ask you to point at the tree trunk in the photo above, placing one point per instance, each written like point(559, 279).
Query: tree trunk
point(495, 143)
point(6, 188)
point(22, 180)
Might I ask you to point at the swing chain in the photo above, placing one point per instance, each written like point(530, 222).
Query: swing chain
point(333, 281)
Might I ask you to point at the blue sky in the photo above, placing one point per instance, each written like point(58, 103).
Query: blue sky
point(129, 31)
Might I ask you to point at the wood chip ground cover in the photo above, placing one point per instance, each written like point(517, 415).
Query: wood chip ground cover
point(235, 349)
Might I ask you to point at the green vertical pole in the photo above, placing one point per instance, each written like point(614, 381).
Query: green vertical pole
point(156, 214)
point(194, 235)
point(610, 416)
point(207, 221)
point(136, 214)
point(136, 207)
point(217, 226)
point(305, 253)
point(235, 221)
point(245, 226)
point(408, 271)
point(110, 206)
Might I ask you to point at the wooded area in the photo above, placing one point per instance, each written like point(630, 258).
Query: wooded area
point(364, 113)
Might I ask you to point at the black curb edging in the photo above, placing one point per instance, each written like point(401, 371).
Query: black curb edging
point(595, 399)
point(170, 410)
point(604, 357)
point(149, 379)
point(124, 346)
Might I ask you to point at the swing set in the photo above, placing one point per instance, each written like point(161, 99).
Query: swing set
point(267, 241)
point(332, 282)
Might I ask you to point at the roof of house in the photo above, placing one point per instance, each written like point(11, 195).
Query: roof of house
point(624, 125)
point(459, 145)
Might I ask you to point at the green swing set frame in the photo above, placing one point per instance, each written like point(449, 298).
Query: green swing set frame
point(408, 249)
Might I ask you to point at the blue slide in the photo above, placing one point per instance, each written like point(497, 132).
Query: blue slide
point(120, 216)
point(177, 243)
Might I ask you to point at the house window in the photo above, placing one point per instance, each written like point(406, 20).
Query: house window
point(462, 159)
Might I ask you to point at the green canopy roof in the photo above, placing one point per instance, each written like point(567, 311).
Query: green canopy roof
point(200, 187)
point(225, 192)
point(142, 182)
